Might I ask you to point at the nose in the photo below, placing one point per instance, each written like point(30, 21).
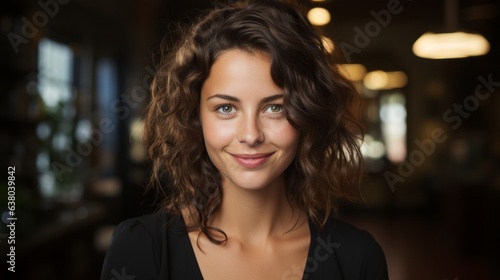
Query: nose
point(250, 131)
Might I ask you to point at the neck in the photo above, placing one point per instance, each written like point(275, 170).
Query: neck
point(254, 216)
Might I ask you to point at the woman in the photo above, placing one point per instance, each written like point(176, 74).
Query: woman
point(251, 120)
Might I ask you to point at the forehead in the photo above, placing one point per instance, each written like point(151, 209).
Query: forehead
point(239, 72)
point(237, 57)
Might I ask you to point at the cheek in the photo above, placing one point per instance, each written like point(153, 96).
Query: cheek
point(286, 137)
point(217, 134)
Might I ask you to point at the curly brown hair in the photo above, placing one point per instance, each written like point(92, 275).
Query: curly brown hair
point(317, 103)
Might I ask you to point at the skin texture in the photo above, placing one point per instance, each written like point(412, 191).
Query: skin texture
point(251, 125)
point(251, 143)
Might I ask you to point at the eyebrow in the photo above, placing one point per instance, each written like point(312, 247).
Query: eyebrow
point(234, 99)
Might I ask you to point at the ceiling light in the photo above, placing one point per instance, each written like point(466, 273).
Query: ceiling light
point(381, 80)
point(354, 72)
point(319, 16)
point(451, 44)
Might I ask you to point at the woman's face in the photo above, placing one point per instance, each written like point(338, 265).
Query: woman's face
point(246, 134)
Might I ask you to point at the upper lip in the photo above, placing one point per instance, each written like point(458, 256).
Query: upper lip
point(252, 156)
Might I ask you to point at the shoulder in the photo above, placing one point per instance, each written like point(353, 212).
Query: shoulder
point(148, 225)
point(359, 254)
point(137, 247)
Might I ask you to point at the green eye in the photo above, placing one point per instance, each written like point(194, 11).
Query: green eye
point(275, 108)
point(225, 109)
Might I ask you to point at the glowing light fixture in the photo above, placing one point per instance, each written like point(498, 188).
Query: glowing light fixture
point(451, 44)
point(381, 80)
point(354, 72)
point(319, 16)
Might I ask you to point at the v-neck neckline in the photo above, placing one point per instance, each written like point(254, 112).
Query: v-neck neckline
point(192, 256)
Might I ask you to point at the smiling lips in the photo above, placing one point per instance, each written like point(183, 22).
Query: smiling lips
point(252, 160)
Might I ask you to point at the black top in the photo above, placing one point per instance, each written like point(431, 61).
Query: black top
point(146, 248)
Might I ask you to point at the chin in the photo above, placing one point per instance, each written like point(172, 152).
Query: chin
point(250, 182)
point(251, 187)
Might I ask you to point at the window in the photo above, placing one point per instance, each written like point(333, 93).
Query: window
point(57, 164)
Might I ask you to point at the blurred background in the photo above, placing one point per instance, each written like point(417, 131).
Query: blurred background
point(74, 82)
